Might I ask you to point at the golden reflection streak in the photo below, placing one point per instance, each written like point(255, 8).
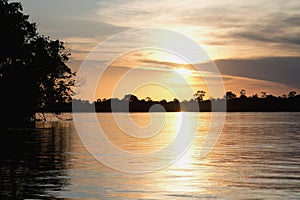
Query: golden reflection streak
point(182, 177)
point(142, 145)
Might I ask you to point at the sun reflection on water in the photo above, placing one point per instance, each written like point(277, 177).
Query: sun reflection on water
point(253, 158)
point(181, 177)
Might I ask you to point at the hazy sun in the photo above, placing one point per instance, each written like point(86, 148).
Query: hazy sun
point(173, 59)
point(183, 72)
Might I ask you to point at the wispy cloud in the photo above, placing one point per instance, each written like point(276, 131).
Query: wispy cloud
point(236, 24)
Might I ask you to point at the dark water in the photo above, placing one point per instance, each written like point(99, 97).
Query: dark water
point(257, 157)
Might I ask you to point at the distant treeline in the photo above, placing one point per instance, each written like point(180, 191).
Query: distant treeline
point(243, 103)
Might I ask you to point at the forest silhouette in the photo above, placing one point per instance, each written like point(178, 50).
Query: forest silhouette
point(242, 103)
point(33, 69)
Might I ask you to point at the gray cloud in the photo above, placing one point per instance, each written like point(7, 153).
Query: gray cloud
point(273, 22)
point(253, 24)
point(283, 70)
point(294, 20)
point(277, 28)
point(63, 18)
point(83, 28)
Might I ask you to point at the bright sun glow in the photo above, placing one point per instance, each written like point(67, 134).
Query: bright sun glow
point(183, 72)
point(173, 59)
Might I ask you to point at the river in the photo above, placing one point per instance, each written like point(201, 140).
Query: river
point(257, 156)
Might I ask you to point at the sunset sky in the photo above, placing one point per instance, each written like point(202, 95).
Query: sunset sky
point(255, 44)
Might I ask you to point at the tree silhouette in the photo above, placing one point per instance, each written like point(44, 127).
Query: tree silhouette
point(33, 70)
point(230, 95)
point(148, 99)
point(292, 94)
point(131, 98)
point(243, 94)
point(199, 95)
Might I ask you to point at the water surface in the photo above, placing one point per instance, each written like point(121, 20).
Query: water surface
point(256, 157)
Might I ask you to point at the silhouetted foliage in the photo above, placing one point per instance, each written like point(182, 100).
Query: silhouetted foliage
point(199, 95)
point(130, 103)
point(33, 70)
point(243, 94)
point(292, 94)
point(230, 95)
